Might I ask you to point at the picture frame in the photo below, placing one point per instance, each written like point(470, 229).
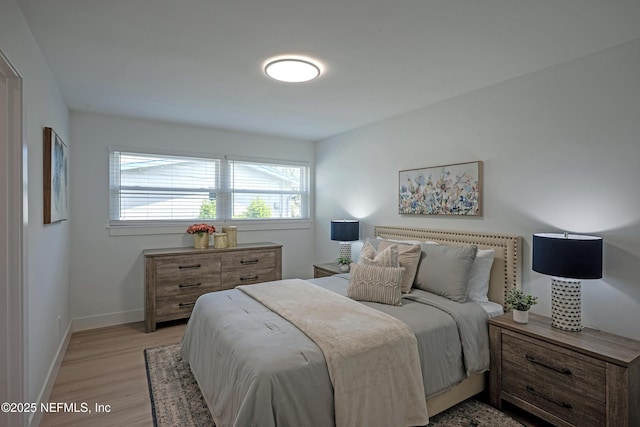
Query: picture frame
point(454, 190)
point(55, 173)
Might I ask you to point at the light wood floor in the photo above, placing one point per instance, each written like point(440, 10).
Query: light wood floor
point(106, 367)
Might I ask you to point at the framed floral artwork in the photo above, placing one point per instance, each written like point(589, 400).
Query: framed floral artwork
point(442, 190)
point(55, 159)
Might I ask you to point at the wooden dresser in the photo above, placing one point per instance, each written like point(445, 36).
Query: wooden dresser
point(587, 378)
point(176, 277)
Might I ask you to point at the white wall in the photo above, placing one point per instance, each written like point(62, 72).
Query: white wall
point(47, 260)
point(107, 274)
point(560, 149)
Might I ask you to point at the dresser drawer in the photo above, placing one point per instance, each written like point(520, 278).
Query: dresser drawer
point(563, 383)
point(174, 269)
point(248, 276)
point(189, 286)
point(173, 308)
point(248, 260)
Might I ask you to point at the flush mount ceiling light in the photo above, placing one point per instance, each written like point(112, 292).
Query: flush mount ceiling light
point(291, 70)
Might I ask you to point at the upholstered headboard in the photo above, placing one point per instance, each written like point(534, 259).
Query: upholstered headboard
point(506, 270)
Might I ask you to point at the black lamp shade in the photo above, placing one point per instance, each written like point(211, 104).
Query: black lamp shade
point(344, 230)
point(567, 255)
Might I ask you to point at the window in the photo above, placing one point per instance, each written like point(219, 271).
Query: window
point(151, 189)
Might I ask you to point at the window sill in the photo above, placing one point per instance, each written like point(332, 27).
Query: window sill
point(243, 225)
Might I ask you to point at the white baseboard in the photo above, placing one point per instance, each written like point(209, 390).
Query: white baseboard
point(109, 319)
point(45, 392)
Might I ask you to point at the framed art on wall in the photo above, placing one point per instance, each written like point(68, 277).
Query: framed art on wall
point(55, 159)
point(442, 190)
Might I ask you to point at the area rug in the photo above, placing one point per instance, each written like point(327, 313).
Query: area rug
point(176, 399)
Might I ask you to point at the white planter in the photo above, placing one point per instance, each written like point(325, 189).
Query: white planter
point(520, 316)
point(344, 267)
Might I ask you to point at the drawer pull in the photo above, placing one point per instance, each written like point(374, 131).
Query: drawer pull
point(186, 304)
point(194, 285)
point(547, 398)
point(243, 279)
point(564, 371)
point(183, 267)
point(249, 261)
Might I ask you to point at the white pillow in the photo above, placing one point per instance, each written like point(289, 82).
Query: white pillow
point(479, 277)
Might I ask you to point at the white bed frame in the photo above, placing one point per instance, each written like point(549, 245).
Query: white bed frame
point(505, 274)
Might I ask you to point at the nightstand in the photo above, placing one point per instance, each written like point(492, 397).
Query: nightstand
point(327, 269)
point(586, 378)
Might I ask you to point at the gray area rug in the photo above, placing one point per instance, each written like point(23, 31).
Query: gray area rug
point(176, 399)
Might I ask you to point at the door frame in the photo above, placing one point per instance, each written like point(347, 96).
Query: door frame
point(13, 226)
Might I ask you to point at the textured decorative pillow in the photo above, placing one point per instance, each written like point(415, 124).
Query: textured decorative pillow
point(382, 258)
point(408, 257)
point(479, 277)
point(445, 270)
point(375, 284)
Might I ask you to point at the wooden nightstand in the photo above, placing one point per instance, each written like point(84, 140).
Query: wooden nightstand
point(327, 269)
point(587, 378)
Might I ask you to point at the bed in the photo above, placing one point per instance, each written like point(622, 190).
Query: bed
point(256, 368)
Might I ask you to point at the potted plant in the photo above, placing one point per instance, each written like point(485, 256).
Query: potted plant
point(520, 303)
point(201, 234)
point(344, 262)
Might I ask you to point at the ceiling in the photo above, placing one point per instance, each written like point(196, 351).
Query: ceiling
point(200, 61)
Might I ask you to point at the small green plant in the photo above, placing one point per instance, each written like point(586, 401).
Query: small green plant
point(344, 260)
point(519, 301)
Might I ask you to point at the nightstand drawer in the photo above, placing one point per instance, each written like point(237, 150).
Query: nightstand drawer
point(566, 384)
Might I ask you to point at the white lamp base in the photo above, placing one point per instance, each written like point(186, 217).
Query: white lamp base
point(345, 249)
point(566, 309)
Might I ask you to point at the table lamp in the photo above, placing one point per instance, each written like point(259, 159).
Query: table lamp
point(568, 258)
point(345, 231)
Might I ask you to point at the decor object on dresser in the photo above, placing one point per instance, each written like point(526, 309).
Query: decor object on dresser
point(568, 258)
point(345, 231)
point(176, 277)
point(232, 235)
point(442, 190)
point(55, 177)
point(587, 379)
point(520, 303)
point(201, 234)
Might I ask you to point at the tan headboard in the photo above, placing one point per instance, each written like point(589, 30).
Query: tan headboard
point(506, 270)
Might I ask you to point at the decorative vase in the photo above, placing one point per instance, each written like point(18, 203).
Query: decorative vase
point(220, 240)
point(520, 316)
point(232, 235)
point(344, 267)
point(200, 240)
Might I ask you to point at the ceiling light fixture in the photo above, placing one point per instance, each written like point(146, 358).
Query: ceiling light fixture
point(292, 70)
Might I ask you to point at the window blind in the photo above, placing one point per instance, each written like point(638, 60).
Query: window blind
point(147, 188)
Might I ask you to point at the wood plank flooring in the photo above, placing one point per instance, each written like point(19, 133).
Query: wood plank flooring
point(106, 367)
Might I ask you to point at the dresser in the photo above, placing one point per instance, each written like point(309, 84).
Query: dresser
point(587, 378)
point(176, 277)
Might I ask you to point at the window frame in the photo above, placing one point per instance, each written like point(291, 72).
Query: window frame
point(224, 198)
